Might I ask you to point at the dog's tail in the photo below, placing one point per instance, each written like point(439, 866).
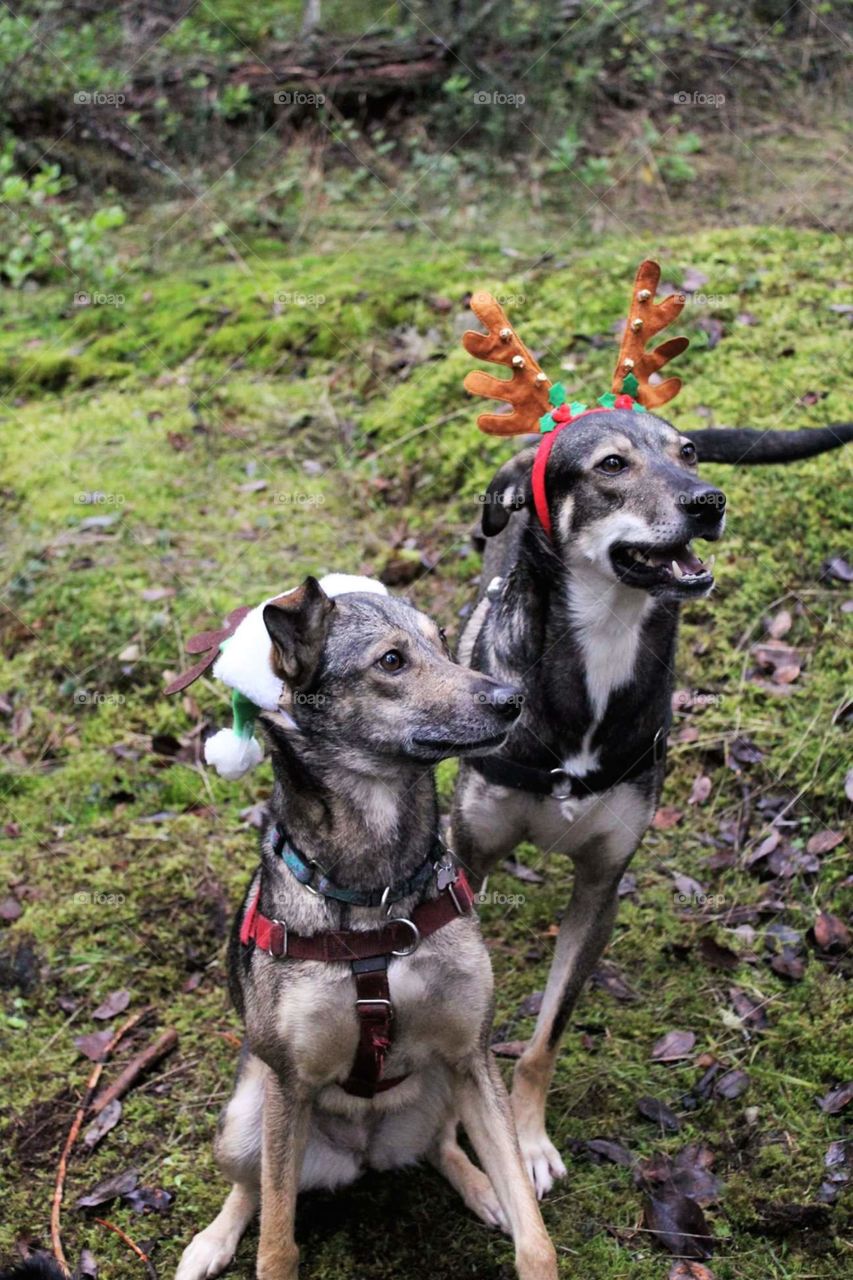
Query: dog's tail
point(41, 1266)
point(744, 446)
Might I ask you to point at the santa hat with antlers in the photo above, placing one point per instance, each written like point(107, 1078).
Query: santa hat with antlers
point(539, 404)
point(240, 653)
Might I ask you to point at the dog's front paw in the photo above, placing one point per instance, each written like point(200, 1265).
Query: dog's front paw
point(207, 1255)
point(480, 1197)
point(542, 1160)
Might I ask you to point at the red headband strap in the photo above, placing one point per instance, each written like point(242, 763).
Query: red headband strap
point(540, 498)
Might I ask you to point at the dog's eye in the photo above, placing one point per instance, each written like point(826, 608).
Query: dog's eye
point(688, 453)
point(612, 464)
point(391, 661)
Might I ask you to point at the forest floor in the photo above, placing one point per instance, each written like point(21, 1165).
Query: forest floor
point(223, 430)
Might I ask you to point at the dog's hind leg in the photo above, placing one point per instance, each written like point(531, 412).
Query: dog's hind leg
point(584, 933)
point(474, 1187)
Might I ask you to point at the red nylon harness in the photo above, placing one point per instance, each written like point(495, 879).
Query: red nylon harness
point(368, 953)
point(540, 497)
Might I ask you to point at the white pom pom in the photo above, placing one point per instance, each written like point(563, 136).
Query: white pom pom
point(232, 755)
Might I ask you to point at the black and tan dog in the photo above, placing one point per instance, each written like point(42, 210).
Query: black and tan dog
point(356, 964)
point(588, 560)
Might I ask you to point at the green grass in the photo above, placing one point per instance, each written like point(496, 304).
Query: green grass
point(172, 406)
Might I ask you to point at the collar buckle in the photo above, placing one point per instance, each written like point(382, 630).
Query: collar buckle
point(282, 954)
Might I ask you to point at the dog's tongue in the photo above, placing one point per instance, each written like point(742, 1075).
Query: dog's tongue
point(689, 562)
point(685, 561)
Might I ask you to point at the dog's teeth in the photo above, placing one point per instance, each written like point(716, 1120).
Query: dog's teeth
point(677, 571)
point(712, 560)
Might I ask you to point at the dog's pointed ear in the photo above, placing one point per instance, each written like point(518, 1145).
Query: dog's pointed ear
point(509, 491)
point(297, 624)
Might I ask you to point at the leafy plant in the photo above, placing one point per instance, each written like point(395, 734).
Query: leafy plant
point(43, 239)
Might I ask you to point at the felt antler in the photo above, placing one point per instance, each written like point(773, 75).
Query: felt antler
point(646, 318)
point(527, 389)
point(208, 643)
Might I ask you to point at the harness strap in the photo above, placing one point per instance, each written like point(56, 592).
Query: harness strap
point(375, 1014)
point(565, 786)
point(368, 951)
point(397, 937)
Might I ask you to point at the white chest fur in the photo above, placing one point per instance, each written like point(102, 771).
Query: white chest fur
point(608, 620)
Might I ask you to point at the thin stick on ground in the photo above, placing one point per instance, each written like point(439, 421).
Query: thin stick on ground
point(76, 1124)
point(131, 1244)
point(163, 1045)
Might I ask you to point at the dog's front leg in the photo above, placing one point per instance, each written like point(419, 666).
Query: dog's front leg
point(584, 933)
point(287, 1114)
point(484, 1109)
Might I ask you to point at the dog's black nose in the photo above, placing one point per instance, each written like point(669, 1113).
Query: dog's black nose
point(506, 700)
point(704, 504)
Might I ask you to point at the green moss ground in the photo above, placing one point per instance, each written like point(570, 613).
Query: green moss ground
point(173, 406)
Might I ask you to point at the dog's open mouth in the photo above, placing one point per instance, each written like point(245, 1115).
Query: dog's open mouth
point(676, 566)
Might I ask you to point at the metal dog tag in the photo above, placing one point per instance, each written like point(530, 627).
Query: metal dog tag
point(446, 875)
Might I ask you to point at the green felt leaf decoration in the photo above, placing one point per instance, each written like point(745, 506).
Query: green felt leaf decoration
point(607, 401)
point(546, 423)
point(557, 394)
point(630, 385)
point(577, 407)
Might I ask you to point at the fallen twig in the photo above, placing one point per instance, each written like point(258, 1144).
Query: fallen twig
point(131, 1244)
point(138, 1066)
point(76, 1124)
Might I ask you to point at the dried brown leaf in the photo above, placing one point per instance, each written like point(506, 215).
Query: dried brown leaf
point(115, 1003)
point(824, 841)
point(667, 817)
point(674, 1046)
point(701, 790)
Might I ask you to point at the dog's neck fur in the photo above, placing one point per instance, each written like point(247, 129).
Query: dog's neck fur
point(607, 620)
point(365, 831)
point(595, 657)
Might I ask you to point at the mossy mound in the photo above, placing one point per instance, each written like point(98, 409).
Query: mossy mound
point(217, 435)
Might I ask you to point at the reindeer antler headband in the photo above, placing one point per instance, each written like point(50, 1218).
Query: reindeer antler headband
point(536, 401)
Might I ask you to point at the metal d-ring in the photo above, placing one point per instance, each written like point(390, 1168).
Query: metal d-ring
point(314, 868)
point(416, 936)
point(560, 780)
